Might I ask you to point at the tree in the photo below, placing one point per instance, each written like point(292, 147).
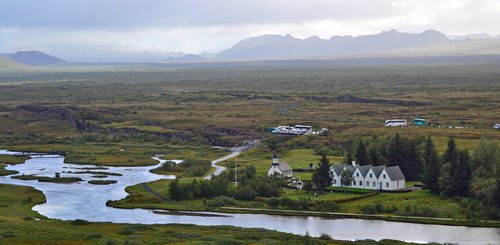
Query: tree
point(462, 175)
point(374, 155)
point(361, 155)
point(485, 162)
point(395, 152)
point(175, 190)
point(348, 158)
point(346, 178)
point(432, 167)
point(454, 180)
point(322, 176)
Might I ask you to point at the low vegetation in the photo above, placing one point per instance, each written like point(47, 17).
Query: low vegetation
point(59, 180)
point(186, 168)
point(102, 182)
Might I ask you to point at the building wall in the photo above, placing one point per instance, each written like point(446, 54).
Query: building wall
point(360, 181)
point(274, 170)
point(371, 180)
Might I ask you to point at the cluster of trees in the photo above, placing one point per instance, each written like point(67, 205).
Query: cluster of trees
point(395, 151)
point(187, 168)
point(457, 173)
point(249, 186)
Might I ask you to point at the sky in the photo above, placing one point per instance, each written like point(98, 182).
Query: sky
point(209, 26)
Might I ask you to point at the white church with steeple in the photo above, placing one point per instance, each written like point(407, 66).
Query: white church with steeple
point(279, 168)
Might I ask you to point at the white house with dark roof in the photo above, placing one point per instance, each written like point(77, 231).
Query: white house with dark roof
point(370, 177)
point(279, 168)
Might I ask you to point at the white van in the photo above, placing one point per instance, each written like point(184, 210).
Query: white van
point(395, 123)
point(497, 126)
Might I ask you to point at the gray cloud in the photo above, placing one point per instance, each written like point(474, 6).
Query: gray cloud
point(211, 25)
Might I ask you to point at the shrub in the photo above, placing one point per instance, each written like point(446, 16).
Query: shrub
point(327, 206)
point(221, 201)
point(369, 209)
point(93, 236)
point(79, 222)
point(325, 236)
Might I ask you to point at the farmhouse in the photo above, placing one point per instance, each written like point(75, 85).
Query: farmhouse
point(369, 177)
point(279, 168)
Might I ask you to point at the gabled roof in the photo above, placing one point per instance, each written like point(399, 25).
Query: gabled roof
point(377, 170)
point(364, 169)
point(337, 168)
point(394, 173)
point(283, 166)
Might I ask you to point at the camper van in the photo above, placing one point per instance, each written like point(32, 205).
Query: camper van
point(395, 123)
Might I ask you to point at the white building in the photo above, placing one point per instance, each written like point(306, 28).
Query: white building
point(279, 168)
point(370, 177)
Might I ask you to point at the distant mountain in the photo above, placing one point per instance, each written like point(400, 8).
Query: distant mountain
point(34, 58)
point(284, 47)
point(472, 36)
point(9, 65)
point(184, 59)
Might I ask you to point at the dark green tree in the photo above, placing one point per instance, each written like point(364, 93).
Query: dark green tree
point(462, 174)
point(321, 177)
point(348, 158)
point(175, 190)
point(361, 154)
point(395, 152)
point(374, 156)
point(432, 167)
point(346, 178)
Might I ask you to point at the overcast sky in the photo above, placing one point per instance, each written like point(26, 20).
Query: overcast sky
point(197, 26)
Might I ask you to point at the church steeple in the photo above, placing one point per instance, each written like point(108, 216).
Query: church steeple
point(276, 159)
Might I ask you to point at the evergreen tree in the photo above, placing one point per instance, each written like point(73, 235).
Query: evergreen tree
point(451, 153)
point(346, 178)
point(411, 163)
point(374, 156)
point(361, 155)
point(432, 167)
point(462, 175)
point(395, 152)
point(321, 177)
point(348, 158)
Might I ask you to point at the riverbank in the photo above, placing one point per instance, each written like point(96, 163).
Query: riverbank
point(20, 225)
point(155, 197)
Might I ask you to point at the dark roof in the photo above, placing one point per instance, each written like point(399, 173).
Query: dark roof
point(394, 173)
point(338, 168)
point(364, 169)
point(377, 170)
point(284, 166)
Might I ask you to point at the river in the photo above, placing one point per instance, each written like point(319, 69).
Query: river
point(86, 201)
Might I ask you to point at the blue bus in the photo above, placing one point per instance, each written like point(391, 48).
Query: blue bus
point(419, 122)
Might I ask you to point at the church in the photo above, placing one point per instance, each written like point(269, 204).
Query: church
point(279, 168)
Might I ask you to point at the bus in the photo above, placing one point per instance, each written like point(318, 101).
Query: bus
point(395, 123)
point(419, 122)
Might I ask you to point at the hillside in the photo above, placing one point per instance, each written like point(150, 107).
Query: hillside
point(7, 65)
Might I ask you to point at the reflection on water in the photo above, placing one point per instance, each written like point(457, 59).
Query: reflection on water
point(86, 201)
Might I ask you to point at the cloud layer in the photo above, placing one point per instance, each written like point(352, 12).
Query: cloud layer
point(211, 25)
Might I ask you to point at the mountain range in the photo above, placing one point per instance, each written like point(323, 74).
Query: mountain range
point(282, 47)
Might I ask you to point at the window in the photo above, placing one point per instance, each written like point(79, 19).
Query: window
point(335, 181)
point(357, 174)
point(353, 182)
point(384, 176)
point(371, 175)
point(387, 184)
point(367, 183)
point(374, 183)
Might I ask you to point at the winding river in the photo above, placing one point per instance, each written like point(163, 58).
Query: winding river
point(86, 201)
